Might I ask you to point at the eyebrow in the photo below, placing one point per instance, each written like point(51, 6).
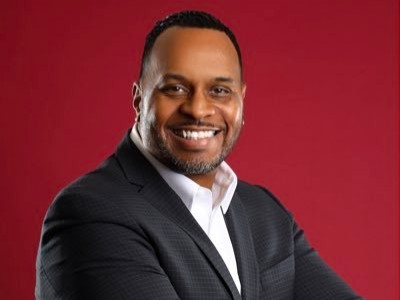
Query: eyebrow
point(224, 79)
point(169, 76)
point(173, 76)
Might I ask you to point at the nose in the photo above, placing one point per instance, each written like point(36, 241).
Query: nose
point(198, 106)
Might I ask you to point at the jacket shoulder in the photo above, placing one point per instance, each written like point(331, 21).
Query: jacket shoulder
point(257, 198)
point(93, 194)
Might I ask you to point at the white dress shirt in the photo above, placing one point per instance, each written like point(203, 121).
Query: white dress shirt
point(207, 206)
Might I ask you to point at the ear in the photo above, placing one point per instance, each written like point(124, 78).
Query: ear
point(244, 87)
point(137, 99)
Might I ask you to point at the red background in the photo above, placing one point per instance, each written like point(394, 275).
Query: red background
point(321, 118)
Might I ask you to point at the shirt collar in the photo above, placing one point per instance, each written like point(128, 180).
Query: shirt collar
point(222, 190)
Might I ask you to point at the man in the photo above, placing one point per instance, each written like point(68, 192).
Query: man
point(165, 217)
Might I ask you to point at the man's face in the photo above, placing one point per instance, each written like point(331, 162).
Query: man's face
point(190, 101)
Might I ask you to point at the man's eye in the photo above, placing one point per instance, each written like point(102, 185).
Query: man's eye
point(174, 90)
point(220, 91)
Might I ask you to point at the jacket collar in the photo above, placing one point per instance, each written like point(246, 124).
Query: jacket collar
point(135, 166)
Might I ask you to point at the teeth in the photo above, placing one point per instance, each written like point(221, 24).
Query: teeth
point(195, 135)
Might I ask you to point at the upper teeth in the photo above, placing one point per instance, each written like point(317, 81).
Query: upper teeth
point(194, 135)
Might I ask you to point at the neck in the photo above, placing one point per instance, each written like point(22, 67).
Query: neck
point(204, 180)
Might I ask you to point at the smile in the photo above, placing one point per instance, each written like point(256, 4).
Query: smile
point(195, 135)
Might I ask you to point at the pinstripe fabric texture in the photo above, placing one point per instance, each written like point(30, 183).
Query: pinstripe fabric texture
point(120, 232)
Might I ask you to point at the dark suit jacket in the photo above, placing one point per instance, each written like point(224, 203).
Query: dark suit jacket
point(120, 232)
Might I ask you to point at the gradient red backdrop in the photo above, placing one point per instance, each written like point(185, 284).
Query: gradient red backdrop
point(321, 118)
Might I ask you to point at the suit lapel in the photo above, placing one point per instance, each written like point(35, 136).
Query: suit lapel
point(140, 172)
point(239, 231)
point(168, 203)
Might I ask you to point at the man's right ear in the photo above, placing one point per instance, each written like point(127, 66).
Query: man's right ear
point(137, 99)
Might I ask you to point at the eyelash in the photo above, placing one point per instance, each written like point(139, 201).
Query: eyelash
point(173, 89)
point(178, 90)
point(222, 91)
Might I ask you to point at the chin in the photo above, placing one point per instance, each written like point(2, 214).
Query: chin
point(191, 166)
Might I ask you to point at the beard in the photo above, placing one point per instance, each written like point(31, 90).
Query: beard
point(194, 166)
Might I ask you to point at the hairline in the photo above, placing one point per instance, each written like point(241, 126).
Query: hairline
point(146, 61)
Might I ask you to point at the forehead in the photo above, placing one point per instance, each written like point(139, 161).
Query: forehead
point(195, 52)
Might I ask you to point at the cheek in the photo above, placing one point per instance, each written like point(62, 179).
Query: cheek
point(162, 111)
point(233, 115)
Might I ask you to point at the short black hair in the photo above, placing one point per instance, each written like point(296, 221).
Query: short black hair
point(190, 19)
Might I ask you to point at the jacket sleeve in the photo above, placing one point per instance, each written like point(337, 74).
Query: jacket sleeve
point(314, 279)
point(86, 256)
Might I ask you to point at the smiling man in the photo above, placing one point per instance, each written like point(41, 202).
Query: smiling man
point(165, 217)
